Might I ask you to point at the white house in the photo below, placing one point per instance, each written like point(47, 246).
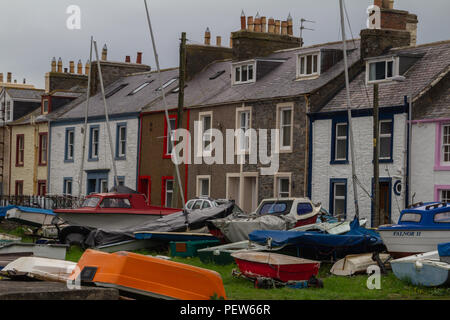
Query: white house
point(330, 178)
point(125, 99)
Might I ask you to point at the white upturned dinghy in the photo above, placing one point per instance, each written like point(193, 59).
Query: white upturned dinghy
point(40, 269)
point(425, 269)
point(356, 263)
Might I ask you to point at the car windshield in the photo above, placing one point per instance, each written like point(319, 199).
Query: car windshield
point(91, 202)
point(276, 207)
point(115, 203)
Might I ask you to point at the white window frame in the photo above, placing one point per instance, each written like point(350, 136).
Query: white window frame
point(387, 135)
point(103, 185)
point(280, 108)
point(277, 185)
point(167, 191)
point(66, 186)
point(93, 154)
point(442, 191)
point(443, 145)
point(170, 135)
point(199, 185)
point(335, 184)
point(201, 117)
point(395, 69)
point(122, 140)
point(302, 61)
point(70, 146)
point(338, 138)
point(244, 137)
point(236, 66)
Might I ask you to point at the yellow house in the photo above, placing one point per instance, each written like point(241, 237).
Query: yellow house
point(29, 155)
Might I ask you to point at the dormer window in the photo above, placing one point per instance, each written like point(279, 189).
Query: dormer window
point(45, 106)
point(244, 73)
point(308, 65)
point(381, 70)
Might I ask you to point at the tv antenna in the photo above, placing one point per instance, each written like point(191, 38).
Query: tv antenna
point(302, 27)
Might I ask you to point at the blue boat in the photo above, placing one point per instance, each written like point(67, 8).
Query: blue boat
point(319, 245)
point(33, 217)
point(420, 229)
point(429, 269)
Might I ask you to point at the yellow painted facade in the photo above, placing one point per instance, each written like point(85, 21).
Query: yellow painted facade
point(32, 171)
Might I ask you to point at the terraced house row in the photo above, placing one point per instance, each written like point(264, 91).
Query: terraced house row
point(266, 79)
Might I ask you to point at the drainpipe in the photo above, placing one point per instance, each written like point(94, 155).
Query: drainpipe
point(307, 110)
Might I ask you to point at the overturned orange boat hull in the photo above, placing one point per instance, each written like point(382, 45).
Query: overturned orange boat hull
point(145, 276)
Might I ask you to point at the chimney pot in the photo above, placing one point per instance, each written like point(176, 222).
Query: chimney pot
point(271, 23)
point(79, 67)
point(72, 67)
point(9, 77)
point(263, 24)
point(15, 80)
point(243, 21)
point(87, 67)
point(65, 70)
point(127, 59)
point(250, 25)
point(139, 58)
point(257, 24)
point(105, 53)
point(1, 77)
point(60, 65)
point(219, 41)
point(24, 81)
point(53, 64)
point(290, 25)
point(277, 26)
point(284, 27)
point(207, 36)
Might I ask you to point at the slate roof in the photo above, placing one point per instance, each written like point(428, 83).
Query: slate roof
point(439, 106)
point(25, 93)
point(280, 82)
point(435, 61)
point(121, 101)
point(26, 119)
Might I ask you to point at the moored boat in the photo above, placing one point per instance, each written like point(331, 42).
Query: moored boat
point(420, 229)
point(276, 266)
point(142, 276)
point(424, 269)
point(39, 268)
point(356, 263)
point(111, 211)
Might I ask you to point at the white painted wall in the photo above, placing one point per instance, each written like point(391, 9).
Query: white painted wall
point(323, 171)
point(424, 177)
point(60, 170)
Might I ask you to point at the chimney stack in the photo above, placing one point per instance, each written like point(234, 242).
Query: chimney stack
point(79, 67)
point(1, 77)
point(87, 68)
point(243, 22)
point(105, 53)
point(72, 67)
point(60, 65)
point(277, 27)
point(127, 59)
point(54, 64)
point(219, 41)
point(250, 25)
point(290, 25)
point(284, 26)
point(9, 77)
point(257, 27)
point(207, 36)
point(139, 58)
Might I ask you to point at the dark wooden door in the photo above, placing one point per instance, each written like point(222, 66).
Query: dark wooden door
point(385, 203)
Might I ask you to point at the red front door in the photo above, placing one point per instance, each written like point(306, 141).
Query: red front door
point(145, 183)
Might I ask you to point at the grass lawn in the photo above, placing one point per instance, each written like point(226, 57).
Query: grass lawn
point(335, 288)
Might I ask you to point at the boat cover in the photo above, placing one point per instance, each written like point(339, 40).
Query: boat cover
point(444, 249)
point(4, 210)
point(175, 222)
point(357, 240)
point(237, 229)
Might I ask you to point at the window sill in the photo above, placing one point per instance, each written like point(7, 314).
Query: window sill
point(167, 156)
point(93, 160)
point(20, 165)
point(120, 158)
point(307, 77)
point(333, 162)
point(68, 161)
point(42, 164)
point(287, 150)
point(441, 168)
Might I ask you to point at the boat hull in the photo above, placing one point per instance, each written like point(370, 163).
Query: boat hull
point(141, 275)
point(402, 243)
point(33, 219)
point(107, 221)
point(353, 264)
point(275, 266)
point(422, 270)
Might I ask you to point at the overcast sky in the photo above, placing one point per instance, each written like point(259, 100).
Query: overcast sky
point(33, 31)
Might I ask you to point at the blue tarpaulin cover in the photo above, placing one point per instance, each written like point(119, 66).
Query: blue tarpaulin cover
point(356, 237)
point(3, 210)
point(444, 249)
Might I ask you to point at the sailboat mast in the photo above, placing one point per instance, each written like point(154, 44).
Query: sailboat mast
point(86, 113)
point(116, 180)
point(349, 111)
